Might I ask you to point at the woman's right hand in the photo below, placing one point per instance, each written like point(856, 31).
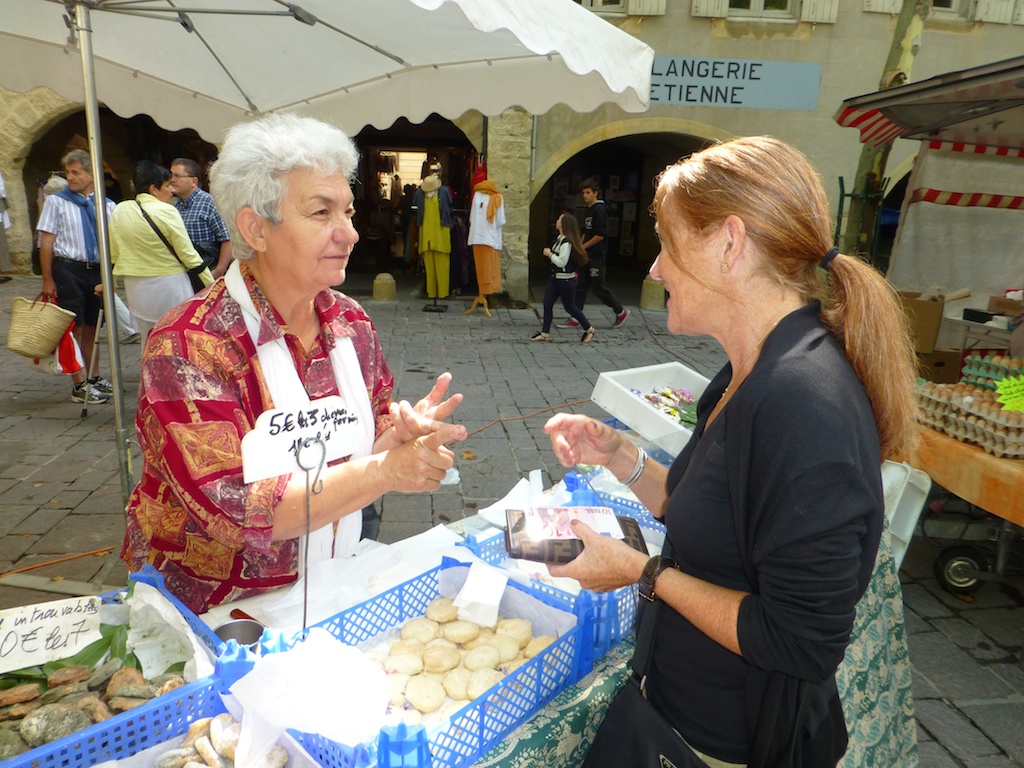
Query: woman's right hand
point(580, 439)
point(419, 464)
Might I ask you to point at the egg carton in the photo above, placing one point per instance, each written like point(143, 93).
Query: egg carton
point(993, 367)
point(992, 439)
point(993, 413)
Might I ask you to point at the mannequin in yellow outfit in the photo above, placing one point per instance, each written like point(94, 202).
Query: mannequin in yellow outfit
point(434, 204)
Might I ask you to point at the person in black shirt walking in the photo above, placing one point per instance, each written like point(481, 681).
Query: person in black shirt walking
point(595, 233)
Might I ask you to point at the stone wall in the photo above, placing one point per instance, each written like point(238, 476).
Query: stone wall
point(508, 166)
point(23, 118)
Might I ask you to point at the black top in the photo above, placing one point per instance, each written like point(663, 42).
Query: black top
point(595, 222)
point(788, 477)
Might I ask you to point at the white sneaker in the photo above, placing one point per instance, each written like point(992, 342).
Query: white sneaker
point(85, 393)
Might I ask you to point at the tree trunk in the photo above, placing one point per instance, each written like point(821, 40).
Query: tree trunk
point(871, 167)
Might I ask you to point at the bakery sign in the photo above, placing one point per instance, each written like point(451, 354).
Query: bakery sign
point(750, 83)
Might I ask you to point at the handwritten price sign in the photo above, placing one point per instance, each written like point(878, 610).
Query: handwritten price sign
point(1011, 393)
point(270, 449)
point(34, 634)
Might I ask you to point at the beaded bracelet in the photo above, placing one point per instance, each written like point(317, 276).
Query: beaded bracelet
point(641, 460)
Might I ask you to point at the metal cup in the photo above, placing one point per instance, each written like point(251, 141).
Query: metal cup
point(243, 631)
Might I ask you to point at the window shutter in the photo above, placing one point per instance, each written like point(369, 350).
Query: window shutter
point(645, 7)
point(715, 8)
point(820, 11)
point(883, 6)
point(995, 11)
point(1018, 16)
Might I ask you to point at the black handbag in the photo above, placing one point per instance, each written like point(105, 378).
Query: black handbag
point(192, 272)
point(633, 732)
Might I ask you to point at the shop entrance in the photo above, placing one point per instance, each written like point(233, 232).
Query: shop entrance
point(626, 169)
point(392, 164)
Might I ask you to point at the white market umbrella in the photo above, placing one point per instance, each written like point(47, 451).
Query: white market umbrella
point(207, 64)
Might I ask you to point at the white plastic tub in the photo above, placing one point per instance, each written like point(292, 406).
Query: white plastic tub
point(906, 490)
point(612, 392)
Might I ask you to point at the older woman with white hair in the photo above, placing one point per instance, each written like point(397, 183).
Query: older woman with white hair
point(222, 522)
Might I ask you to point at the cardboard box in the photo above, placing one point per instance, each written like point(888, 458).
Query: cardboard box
point(925, 319)
point(1003, 306)
point(940, 365)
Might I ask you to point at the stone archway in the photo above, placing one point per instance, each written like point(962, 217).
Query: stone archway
point(625, 157)
point(24, 117)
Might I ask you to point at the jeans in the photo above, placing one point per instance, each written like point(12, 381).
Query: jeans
point(565, 289)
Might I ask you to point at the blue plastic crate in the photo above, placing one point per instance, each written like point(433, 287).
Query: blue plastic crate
point(130, 732)
point(482, 723)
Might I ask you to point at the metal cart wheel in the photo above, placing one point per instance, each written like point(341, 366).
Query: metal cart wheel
point(955, 568)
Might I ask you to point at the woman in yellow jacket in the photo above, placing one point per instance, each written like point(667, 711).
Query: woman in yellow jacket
point(154, 268)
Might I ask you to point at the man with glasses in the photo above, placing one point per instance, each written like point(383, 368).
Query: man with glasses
point(204, 225)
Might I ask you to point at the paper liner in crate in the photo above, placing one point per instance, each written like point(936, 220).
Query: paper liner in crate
point(614, 392)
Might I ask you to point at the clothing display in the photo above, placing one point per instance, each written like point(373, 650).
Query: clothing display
point(486, 218)
point(434, 202)
point(202, 375)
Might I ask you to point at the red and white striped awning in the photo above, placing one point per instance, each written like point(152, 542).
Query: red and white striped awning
point(983, 106)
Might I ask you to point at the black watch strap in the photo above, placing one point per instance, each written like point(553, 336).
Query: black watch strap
point(651, 572)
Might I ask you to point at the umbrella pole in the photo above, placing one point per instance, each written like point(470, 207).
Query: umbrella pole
point(92, 117)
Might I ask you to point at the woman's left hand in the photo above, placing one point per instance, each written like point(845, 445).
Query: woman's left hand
point(605, 563)
point(428, 415)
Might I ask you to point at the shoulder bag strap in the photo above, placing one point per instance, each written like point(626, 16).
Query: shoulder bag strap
point(160, 234)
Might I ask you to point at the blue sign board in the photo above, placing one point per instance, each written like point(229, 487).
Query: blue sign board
point(749, 83)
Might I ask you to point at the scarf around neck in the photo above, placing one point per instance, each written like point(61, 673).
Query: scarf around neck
point(490, 188)
point(87, 210)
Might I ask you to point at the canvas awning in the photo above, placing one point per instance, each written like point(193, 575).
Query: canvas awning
point(982, 107)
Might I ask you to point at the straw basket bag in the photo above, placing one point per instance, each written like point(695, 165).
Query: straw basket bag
point(36, 327)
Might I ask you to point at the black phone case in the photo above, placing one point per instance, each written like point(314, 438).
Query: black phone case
point(558, 551)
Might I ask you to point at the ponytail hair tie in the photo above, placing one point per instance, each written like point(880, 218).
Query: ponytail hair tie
point(827, 258)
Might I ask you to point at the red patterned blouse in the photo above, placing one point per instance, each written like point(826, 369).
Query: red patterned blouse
point(201, 391)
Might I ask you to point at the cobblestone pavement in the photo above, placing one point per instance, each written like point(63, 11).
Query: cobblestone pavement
point(60, 488)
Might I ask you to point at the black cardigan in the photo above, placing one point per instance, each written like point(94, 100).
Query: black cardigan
point(803, 465)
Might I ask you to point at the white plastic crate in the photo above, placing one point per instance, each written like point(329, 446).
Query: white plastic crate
point(906, 490)
point(612, 392)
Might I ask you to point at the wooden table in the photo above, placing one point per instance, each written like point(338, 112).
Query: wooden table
point(996, 485)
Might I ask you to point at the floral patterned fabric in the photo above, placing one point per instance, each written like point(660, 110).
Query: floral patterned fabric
point(874, 684)
point(201, 390)
point(874, 679)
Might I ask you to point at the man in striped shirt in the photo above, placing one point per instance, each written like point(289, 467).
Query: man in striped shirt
point(69, 260)
point(205, 227)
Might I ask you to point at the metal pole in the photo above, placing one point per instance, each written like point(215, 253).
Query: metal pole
point(92, 119)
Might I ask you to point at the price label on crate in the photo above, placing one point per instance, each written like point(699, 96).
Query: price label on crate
point(1011, 393)
point(34, 634)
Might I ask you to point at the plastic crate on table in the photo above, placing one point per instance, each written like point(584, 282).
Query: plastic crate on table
point(482, 723)
point(608, 617)
point(130, 732)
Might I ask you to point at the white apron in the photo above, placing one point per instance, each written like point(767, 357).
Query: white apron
point(286, 388)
